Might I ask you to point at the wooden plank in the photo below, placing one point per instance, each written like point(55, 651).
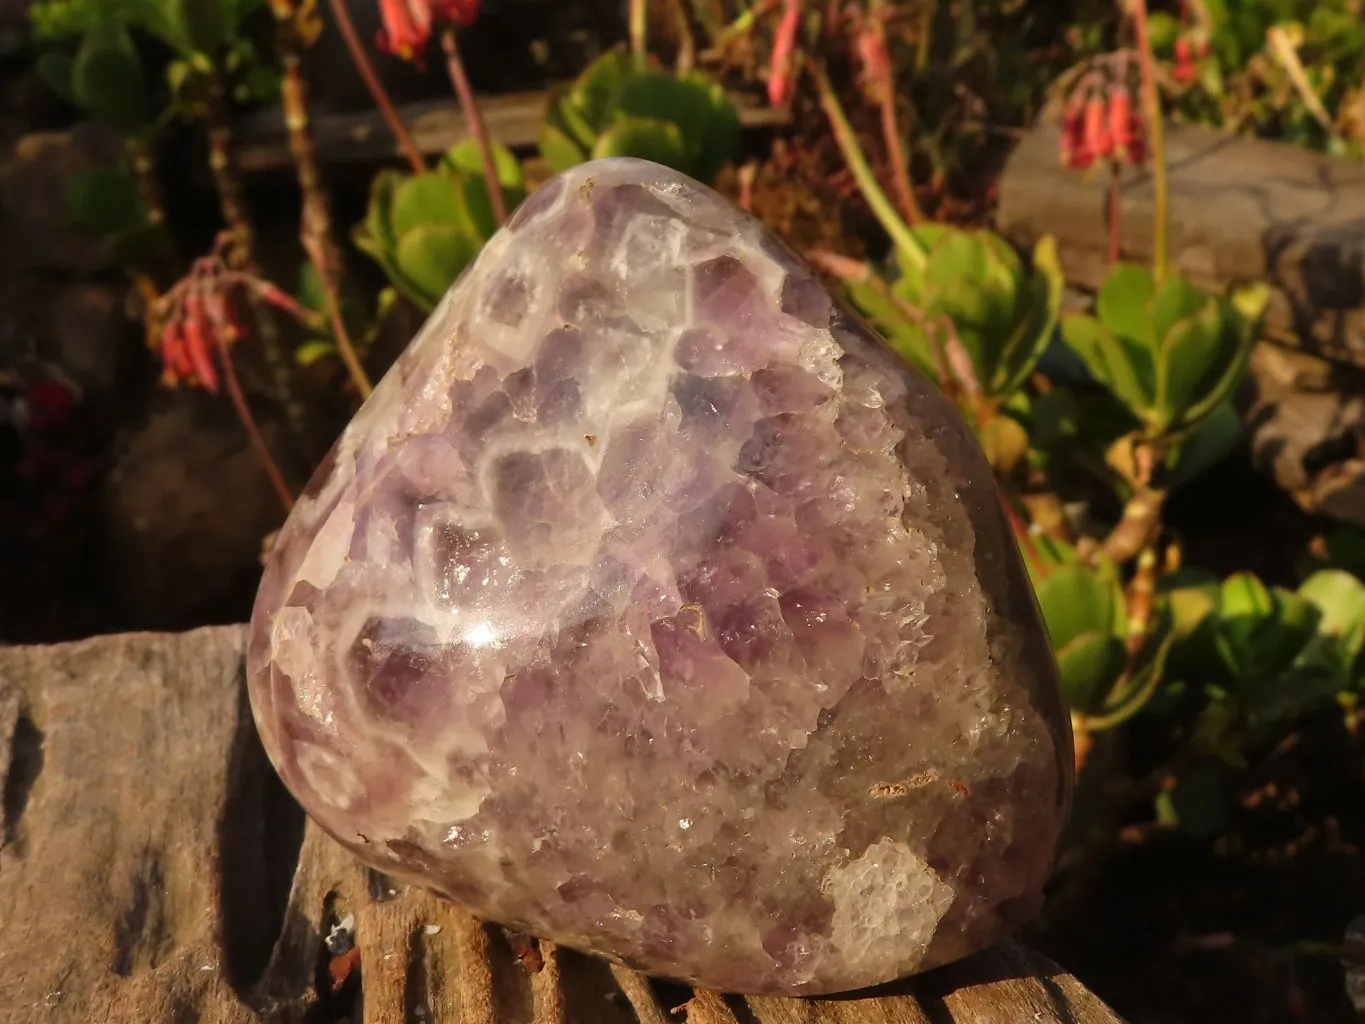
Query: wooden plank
point(361, 136)
point(152, 869)
point(1242, 209)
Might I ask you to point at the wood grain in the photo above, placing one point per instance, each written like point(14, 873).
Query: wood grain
point(513, 120)
point(152, 869)
point(1241, 210)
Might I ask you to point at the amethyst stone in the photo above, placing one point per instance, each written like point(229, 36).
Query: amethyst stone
point(651, 605)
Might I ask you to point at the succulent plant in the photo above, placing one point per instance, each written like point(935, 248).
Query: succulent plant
point(683, 121)
point(424, 229)
point(1002, 311)
point(1169, 352)
point(1087, 617)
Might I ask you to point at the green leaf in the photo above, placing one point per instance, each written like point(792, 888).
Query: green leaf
point(1040, 304)
point(1340, 598)
point(1195, 363)
point(430, 257)
point(1110, 361)
point(1175, 300)
point(56, 70)
point(593, 95)
point(906, 337)
point(466, 157)
point(106, 202)
point(206, 24)
point(430, 198)
point(1212, 441)
point(1005, 443)
point(1122, 302)
point(107, 81)
point(313, 351)
point(659, 141)
point(559, 150)
point(1077, 599)
point(476, 208)
point(1089, 664)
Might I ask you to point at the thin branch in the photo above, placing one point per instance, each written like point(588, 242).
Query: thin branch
point(906, 243)
point(345, 349)
point(474, 119)
point(253, 430)
point(1151, 102)
point(241, 253)
point(378, 93)
point(639, 29)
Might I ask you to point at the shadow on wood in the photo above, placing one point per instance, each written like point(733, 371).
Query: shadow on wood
point(153, 869)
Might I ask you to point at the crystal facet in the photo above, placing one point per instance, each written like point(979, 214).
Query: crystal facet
point(652, 606)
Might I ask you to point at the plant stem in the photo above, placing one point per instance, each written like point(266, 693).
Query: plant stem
point(227, 180)
point(1115, 215)
point(639, 29)
point(241, 253)
point(1151, 103)
point(340, 334)
point(316, 231)
point(687, 46)
point(886, 98)
point(469, 107)
point(378, 93)
point(906, 243)
point(1137, 526)
point(253, 430)
point(148, 184)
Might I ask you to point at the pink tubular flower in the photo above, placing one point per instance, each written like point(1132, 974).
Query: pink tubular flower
point(461, 13)
point(784, 49)
point(408, 23)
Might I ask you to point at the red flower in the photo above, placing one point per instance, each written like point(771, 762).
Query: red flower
point(1185, 70)
point(408, 23)
point(461, 13)
point(784, 48)
point(1125, 128)
point(1097, 137)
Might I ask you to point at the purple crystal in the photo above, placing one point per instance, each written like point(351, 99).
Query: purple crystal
point(651, 605)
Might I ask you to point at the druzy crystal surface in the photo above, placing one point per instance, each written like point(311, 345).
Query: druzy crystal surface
point(651, 605)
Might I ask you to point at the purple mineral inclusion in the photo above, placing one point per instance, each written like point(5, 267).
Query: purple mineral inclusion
point(652, 606)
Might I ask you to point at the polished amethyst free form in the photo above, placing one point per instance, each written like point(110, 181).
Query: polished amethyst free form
point(652, 606)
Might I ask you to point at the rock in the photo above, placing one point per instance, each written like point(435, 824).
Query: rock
point(81, 328)
point(187, 507)
point(652, 606)
point(35, 231)
point(1307, 426)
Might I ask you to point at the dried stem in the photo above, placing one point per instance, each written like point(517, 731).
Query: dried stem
point(1137, 526)
point(474, 120)
point(361, 59)
point(1151, 104)
point(687, 46)
point(316, 230)
point(340, 334)
point(639, 29)
point(253, 430)
point(227, 181)
point(241, 254)
point(906, 244)
point(149, 190)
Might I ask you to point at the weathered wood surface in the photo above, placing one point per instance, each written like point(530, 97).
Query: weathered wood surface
point(513, 119)
point(153, 870)
point(1241, 210)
